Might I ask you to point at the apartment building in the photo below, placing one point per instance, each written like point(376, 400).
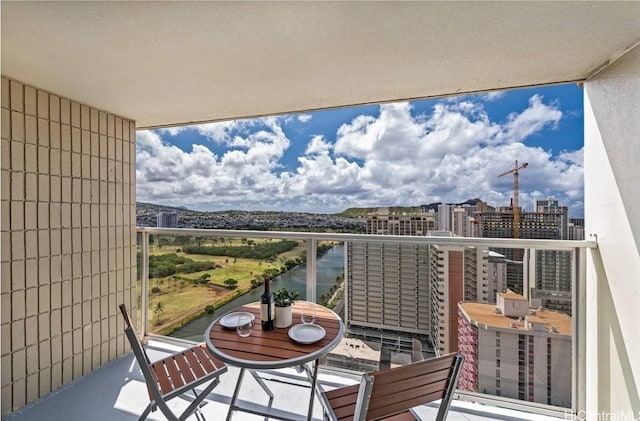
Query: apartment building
point(516, 351)
point(384, 223)
point(447, 290)
point(167, 220)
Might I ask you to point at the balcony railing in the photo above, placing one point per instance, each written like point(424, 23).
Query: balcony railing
point(365, 319)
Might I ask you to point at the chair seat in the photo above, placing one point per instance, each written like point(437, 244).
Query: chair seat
point(343, 401)
point(186, 368)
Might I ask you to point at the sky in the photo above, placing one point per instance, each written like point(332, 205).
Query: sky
point(399, 154)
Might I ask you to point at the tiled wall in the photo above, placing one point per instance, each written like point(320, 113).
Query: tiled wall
point(68, 240)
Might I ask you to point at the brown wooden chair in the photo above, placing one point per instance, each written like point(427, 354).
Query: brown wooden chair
point(175, 375)
point(389, 394)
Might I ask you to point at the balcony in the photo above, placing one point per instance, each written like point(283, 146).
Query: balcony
point(378, 313)
point(117, 391)
point(64, 271)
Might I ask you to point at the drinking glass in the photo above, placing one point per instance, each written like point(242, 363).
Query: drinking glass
point(308, 314)
point(245, 326)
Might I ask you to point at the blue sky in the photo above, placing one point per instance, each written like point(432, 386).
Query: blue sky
point(401, 154)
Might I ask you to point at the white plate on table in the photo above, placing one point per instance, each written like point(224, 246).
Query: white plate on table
point(232, 320)
point(307, 334)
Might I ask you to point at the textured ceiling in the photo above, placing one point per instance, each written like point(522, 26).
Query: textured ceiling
point(174, 62)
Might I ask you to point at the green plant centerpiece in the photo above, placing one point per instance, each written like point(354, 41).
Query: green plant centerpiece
point(283, 299)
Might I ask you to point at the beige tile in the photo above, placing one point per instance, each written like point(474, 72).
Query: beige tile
point(5, 239)
point(111, 126)
point(43, 160)
point(31, 129)
point(17, 96)
point(31, 216)
point(17, 186)
point(17, 335)
point(5, 307)
point(54, 135)
point(30, 103)
point(17, 156)
point(45, 381)
point(54, 108)
point(6, 102)
point(19, 393)
point(103, 122)
point(31, 187)
point(31, 273)
point(76, 194)
point(44, 300)
point(95, 167)
point(5, 123)
point(86, 142)
point(65, 111)
point(66, 251)
point(85, 162)
point(55, 162)
point(85, 117)
point(31, 240)
point(86, 198)
point(31, 306)
point(44, 265)
point(44, 183)
point(31, 338)
point(5, 182)
point(76, 165)
point(76, 140)
point(55, 215)
point(65, 164)
point(18, 276)
point(56, 295)
point(65, 137)
point(43, 132)
point(66, 191)
point(56, 248)
point(5, 330)
point(67, 370)
point(43, 104)
point(17, 215)
point(17, 126)
point(94, 121)
point(76, 260)
point(75, 114)
point(17, 245)
point(76, 311)
point(33, 386)
point(56, 374)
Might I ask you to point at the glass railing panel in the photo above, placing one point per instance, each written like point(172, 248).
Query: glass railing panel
point(195, 279)
point(411, 299)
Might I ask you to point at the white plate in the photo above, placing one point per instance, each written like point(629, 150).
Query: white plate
point(307, 334)
point(231, 320)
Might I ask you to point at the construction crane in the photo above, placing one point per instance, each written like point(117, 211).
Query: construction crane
point(514, 202)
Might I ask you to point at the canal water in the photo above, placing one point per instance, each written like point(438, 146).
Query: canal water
point(329, 266)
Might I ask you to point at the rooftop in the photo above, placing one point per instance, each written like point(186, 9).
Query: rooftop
point(484, 314)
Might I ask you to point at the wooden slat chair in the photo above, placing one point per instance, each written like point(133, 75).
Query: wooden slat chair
point(175, 375)
point(389, 394)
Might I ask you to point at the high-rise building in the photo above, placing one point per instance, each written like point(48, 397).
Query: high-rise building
point(516, 351)
point(387, 290)
point(496, 276)
point(384, 223)
point(447, 290)
point(548, 271)
point(167, 220)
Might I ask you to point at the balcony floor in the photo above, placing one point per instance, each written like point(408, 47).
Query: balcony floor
point(117, 391)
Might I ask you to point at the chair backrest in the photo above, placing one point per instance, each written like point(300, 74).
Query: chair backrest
point(141, 356)
point(390, 392)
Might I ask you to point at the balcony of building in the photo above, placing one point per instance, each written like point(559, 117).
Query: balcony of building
point(73, 99)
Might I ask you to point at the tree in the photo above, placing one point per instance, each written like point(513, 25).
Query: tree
point(231, 283)
point(203, 279)
point(159, 308)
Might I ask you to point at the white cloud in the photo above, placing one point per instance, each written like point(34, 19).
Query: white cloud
point(304, 118)
point(396, 158)
point(493, 95)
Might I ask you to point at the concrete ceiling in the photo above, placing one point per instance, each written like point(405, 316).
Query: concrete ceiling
point(173, 63)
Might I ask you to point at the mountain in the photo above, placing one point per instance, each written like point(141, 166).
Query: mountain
point(363, 212)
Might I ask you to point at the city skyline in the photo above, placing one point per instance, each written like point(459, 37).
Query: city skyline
point(410, 153)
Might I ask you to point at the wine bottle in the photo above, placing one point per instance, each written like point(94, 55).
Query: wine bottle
point(267, 308)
